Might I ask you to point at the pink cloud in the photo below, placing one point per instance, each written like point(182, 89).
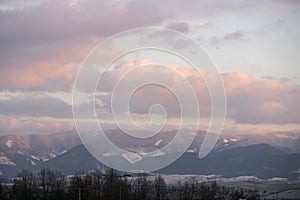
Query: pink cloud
point(261, 101)
point(40, 76)
point(14, 124)
point(39, 47)
point(250, 100)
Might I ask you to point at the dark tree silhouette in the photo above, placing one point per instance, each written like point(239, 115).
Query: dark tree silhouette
point(52, 185)
point(160, 188)
point(25, 187)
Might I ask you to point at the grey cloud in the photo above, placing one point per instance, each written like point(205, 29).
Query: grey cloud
point(6, 5)
point(236, 35)
point(228, 37)
point(35, 105)
point(179, 26)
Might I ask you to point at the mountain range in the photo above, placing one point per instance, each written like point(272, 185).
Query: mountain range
point(264, 156)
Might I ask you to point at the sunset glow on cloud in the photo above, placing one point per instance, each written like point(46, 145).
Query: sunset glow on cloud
point(255, 47)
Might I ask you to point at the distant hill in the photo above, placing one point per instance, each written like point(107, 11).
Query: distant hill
point(77, 159)
point(261, 160)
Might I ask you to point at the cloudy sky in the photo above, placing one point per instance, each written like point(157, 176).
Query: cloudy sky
point(255, 45)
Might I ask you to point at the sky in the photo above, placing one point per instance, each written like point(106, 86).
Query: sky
point(255, 45)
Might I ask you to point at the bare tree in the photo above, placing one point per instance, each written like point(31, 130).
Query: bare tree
point(159, 187)
point(25, 186)
point(51, 183)
point(141, 187)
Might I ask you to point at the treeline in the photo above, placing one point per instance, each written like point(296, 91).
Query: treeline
point(53, 185)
